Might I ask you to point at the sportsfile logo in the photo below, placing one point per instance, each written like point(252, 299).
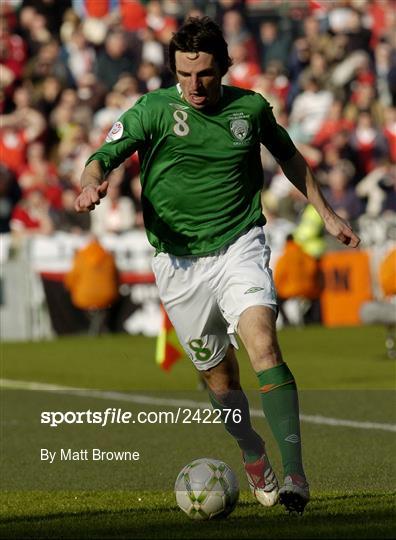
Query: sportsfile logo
point(114, 415)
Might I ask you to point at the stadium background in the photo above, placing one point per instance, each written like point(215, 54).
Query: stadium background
point(329, 70)
point(70, 68)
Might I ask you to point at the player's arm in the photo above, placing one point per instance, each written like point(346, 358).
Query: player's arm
point(127, 135)
point(93, 187)
point(300, 175)
point(297, 170)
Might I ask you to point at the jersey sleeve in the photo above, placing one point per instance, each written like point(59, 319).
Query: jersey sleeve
point(273, 136)
point(128, 134)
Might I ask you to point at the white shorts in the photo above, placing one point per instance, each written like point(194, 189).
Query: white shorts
point(205, 296)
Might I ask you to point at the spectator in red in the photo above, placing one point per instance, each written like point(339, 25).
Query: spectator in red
point(368, 145)
point(17, 131)
point(390, 131)
point(264, 85)
point(133, 15)
point(162, 25)
point(243, 72)
point(12, 60)
point(334, 122)
point(236, 33)
point(377, 11)
point(31, 215)
point(93, 8)
point(40, 174)
point(363, 99)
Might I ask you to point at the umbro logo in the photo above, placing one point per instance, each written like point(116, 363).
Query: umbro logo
point(179, 107)
point(253, 290)
point(293, 438)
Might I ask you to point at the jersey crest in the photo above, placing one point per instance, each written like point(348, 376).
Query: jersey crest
point(240, 128)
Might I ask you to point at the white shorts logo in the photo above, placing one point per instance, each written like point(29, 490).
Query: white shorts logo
point(115, 133)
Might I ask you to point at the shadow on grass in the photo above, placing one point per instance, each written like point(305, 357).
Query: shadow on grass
point(339, 516)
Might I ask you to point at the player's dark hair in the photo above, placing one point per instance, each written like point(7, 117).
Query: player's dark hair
point(200, 34)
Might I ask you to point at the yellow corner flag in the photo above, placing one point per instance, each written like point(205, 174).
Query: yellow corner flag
point(168, 349)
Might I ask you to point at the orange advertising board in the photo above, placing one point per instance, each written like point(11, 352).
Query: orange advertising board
point(346, 285)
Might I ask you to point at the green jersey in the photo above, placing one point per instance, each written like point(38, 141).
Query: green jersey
point(201, 170)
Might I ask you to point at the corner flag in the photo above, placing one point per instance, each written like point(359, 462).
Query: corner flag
point(168, 349)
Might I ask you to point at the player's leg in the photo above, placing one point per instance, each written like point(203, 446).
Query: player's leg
point(186, 291)
point(248, 302)
point(202, 331)
point(226, 394)
point(279, 399)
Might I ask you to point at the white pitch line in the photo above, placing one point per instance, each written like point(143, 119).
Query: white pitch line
point(149, 400)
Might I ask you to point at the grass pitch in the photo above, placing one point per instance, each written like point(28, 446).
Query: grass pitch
point(348, 410)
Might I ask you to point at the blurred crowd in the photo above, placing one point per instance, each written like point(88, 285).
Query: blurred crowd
point(69, 68)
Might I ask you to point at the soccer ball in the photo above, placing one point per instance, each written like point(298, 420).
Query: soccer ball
point(206, 488)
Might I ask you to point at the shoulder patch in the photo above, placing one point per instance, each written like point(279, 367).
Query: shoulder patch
point(115, 132)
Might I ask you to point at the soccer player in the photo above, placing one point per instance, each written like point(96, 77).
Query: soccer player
point(199, 150)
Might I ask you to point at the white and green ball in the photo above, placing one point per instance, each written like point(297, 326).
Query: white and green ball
point(206, 489)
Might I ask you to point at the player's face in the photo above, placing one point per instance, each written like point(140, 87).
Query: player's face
point(199, 77)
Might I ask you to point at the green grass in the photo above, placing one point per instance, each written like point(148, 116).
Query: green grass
point(347, 358)
point(342, 374)
point(125, 515)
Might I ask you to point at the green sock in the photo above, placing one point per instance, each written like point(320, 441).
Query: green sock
point(280, 405)
point(238, 424)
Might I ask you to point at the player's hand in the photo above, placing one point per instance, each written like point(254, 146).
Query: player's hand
point(340, 229)
point(90, 197)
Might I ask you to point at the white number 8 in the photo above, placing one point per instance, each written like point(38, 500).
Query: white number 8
point(181, 127)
